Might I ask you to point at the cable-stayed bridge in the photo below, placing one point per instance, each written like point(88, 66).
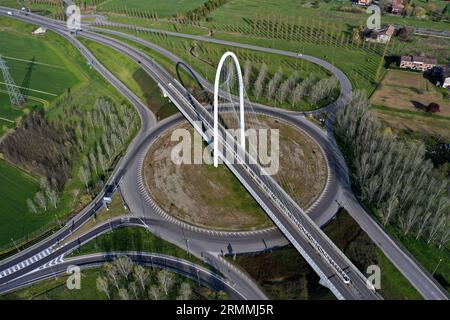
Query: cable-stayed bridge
point(334, 269)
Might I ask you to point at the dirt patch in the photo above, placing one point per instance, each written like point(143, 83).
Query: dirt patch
point(408, 91)
point(212, 197)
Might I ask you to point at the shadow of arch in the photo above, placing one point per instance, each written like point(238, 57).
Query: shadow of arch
point(27, 78)
point(205, 95)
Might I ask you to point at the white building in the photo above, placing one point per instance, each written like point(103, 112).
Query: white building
point(40, 30)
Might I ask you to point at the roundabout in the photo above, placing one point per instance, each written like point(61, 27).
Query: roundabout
point(212, 198)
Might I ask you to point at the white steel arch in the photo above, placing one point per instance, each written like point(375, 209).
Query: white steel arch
point(216, 104)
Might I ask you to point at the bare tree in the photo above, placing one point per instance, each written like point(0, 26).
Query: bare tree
point(273, 84)
point(124, 266)
point(93, 161)
point(53, 197)
point(165, 279)
point(107, 146)
point(123, 294)
point(248, 69)
point(44, 183)
point(31, 206)
point(155, 292)
point(283, 92)
point(259, 83)
point(141, 276)
point(185, 291)
point(134, 290)
point(102, 285)
point(298, 94)
point(84, 175)
point(112, 274)
point(103, 162)
point(40, 200)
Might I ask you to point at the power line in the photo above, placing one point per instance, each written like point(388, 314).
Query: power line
point(15, 96)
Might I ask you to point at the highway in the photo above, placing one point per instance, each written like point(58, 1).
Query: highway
point(55, 263)
point(408, 265)
point(347, 196)
point(201, 276)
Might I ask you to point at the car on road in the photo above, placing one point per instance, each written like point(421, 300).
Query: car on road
point(9, 13)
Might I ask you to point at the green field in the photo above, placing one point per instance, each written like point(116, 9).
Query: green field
point(203, 57)
point(134, 239)
point(16, 220)
point(37, 66)
point(86, 86)
point(135, 78)
point(237, 10)
point(166, 8)
point(324, 31)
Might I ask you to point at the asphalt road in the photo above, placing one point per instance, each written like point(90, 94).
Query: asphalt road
point(408, 265)
point(201, 276)
point(55, 263)
point(420, 279)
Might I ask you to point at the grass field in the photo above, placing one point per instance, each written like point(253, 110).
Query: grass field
point(16, 220)
point(134, 239)
point(55, 289)
point(299, 26)
point(357, 246)
point(166, 8)
point(401, 98)
point(203, 57)
point(409, 91)
point(283, 275)
point(135, 78)
point(236, 11)
point(36, 64)
point(86, 86)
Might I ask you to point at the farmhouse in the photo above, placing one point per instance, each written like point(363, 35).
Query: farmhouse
point(397, 7)
point(417, 63)
point(382, 35)
point(445, 79)
point(365, 3)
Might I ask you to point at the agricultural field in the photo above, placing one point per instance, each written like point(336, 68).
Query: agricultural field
point(16, 220)
point(322, 29)
point(204, 57)
point(163, 9)
point(137, 80)
point(401, 99)
point(80, 93)
point(37, 66)
point(420, 92)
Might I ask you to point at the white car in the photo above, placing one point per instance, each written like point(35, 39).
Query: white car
point(9, 13)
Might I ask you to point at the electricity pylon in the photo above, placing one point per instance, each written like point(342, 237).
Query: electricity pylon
point(15, 96)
